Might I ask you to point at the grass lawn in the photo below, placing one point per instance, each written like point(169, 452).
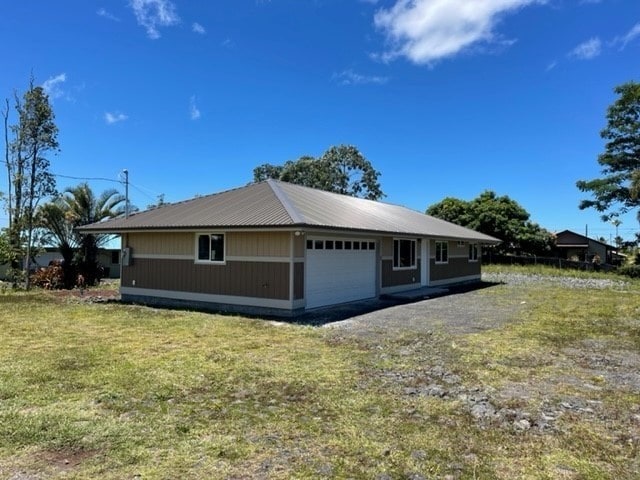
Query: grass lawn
point(94, 390)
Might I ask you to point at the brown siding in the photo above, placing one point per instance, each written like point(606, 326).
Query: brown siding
point(386, 247)
point(178, 243)
point(393, 278)
point(258, 244)
point(298, 281)
point(299, 243)
point(247, 244)
point(246, 279)
point(457, 267)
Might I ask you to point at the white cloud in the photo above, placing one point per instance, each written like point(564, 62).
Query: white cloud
point(197, 28)
point(425, 31)
point(116, 117)
point(552, 65)
point(106, 14)
point(152, 14)
point(52, 86)
point(349, 77)
point(587, 50)
point(628, 37)
point(194, 113)
point(227, 43)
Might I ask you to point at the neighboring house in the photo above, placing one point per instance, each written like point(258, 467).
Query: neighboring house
point(109, 258)
point(573, 246)
point(274, 247)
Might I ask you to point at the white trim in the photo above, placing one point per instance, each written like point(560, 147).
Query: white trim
point(441, 262)
point(446, 281)
point(197, 236)
point(414, 247)
point(229, 258)
point(161, 256)
point(208, 298)
point(242, 258)
point(425, 262)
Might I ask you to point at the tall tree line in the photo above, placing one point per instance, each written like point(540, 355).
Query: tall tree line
point(28, 143)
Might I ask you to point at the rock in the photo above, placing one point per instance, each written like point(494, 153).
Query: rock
point(419, 455)
point(483, 410)
point(522, 425)
point(435, 390)
point(325, 470)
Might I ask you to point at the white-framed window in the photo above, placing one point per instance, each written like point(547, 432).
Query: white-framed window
point(210, 248)
point(442, 252)
point(404, 253)
point(473, 252)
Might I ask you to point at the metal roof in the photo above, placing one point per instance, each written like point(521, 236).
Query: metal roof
point(275, 204)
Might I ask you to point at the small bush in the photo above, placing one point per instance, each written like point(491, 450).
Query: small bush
point(632, 271)
point(50, 278)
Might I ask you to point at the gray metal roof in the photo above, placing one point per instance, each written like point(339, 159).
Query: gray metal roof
point(274, 204)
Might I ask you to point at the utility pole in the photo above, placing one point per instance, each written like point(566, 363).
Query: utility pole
point(126, 193)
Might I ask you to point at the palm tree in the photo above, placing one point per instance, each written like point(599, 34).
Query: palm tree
point(80, 206)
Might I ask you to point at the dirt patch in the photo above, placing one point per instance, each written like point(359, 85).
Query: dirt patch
point(64, 460)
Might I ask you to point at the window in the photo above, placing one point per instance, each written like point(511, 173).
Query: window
point(442, 252)
point(338, 244)
point(115, 257)
point(347, 245)
point(328, 245)
point(309, 244)
point(404, 253)
point(211, 247)
point(372, 245)
point(318, 245)
point(473, 252)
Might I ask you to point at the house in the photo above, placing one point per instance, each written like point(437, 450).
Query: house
point(279, 248)
point(573, 246)
point(108, 258)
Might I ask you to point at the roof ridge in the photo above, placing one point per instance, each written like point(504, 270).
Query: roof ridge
point(282, 197)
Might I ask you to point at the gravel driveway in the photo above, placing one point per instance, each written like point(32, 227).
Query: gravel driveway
point(464, 310)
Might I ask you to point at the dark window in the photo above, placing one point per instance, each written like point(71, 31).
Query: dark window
point(347, 245)
point(372, 245)
point(338, 244)
point(309, 244)
point(115, 257)
point(356, 245)
point(364, 246)
point(211, 247)
point(404, 253)
point(319, 245)
point(473, 252)
point(328, 245)
point(442, 252)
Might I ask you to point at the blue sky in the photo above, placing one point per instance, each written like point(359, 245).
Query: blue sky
point(444, 97)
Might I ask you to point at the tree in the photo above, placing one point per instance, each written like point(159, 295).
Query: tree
point(80, 206)
point(28, 170)
point(618, 191)
point(500, 217)
point(341, 169)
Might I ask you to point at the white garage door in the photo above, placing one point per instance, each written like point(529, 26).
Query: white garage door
point(339, 270)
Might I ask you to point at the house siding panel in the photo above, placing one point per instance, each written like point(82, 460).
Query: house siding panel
point(258, 244)
point(393, 278)
point(457, 267)
point(247, 279)
point(153, 243)
point(298, 281)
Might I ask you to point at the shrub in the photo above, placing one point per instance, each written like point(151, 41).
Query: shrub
point(632, 271)
point(50, 278)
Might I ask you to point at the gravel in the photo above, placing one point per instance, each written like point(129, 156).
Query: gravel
point(567, 282)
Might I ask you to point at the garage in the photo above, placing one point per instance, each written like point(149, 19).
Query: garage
point(339, 270)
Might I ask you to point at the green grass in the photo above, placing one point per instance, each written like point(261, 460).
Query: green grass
point(112, 391)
